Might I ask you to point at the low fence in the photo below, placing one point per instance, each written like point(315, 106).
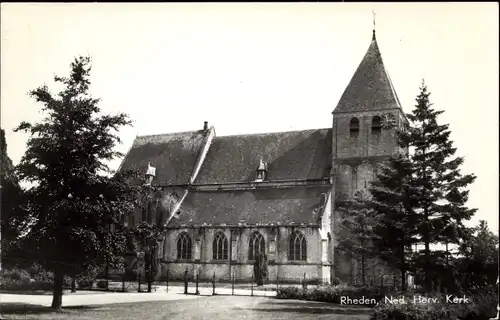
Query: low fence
point(191, 284)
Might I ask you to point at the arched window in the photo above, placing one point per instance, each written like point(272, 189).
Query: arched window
point(297, 247)
point(256, 245)
point(354, 127)
point(184, 247)
point(376, 125)
point(220, 247)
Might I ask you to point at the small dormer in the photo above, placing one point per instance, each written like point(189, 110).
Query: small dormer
point(261, 171)
point(150, 174)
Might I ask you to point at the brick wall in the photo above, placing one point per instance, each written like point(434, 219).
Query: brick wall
point(276, 243)
point(366, 143)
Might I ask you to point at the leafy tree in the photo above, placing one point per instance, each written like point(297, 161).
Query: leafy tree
point(356, 226)
point(14, 218)
point(439, 189)
point(477, 263)
point(74, 200)
point(149, 237)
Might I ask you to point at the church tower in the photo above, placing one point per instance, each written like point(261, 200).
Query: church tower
point(364, 134)
point(364, 124)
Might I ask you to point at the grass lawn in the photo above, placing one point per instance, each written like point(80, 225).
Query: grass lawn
point(217, 307)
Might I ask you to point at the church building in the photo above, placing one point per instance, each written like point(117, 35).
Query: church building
point(236, 196)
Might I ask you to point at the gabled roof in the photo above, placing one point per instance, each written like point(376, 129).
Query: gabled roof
point(370, 87)
point(298, 206)
point(173, 155)
point(294, 155)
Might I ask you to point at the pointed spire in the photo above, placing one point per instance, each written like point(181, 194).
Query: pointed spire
point(373, 36)
point(370, 87)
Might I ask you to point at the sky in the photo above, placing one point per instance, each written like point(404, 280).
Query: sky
point(259, 67)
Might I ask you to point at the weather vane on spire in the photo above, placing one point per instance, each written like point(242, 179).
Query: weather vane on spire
point(373, 36)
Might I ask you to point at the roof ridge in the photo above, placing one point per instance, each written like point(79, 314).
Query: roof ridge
point(269, 133)
point(170, 133)
point(392, 88)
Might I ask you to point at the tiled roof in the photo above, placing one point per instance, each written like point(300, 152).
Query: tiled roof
point(300, 206)
point(290, 155)
point(173, 155)
point(370, 87)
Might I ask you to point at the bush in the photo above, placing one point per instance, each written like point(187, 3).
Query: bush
point(101, 284)
point(130, 274)
point(328, 293)
point(21, 279)
point(31, 279)
point(290, 293)
point(336, 281)
point(481, 306)
point(85, 282)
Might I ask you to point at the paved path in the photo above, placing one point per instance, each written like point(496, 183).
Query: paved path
point(94, 298)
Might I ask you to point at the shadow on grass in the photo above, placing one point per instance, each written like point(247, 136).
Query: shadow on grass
point(36, 292)
point(27, 292)
point(277, 305)
point(33, 309)
point(315, 310)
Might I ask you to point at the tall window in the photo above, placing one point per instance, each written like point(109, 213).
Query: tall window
point(354, 127)
point(376, 125)
point(256, 245)
point(220, 247)
point(184, 247)
point(298, 247)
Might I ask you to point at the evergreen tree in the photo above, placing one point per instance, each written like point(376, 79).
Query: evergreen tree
point(421, 198)
point(74, 200)
point(393, 203)
point(356, 227)
point(439, 189)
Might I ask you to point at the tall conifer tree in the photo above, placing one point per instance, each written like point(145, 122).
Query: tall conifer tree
point(356, 226)
point(441, 189)
point(425, 194)
point(392, 202)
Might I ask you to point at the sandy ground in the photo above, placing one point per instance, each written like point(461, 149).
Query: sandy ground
point(81, 298)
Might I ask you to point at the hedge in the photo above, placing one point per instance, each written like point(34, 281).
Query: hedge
point(481, 305)
point(31, 279)
point(329, 293)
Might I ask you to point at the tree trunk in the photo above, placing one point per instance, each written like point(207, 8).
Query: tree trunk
point(363, 256)
point(58, 290)
point(149, 286)
point(403, 267)
point(73, 285)
point(363, 269)
point(428, 284)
